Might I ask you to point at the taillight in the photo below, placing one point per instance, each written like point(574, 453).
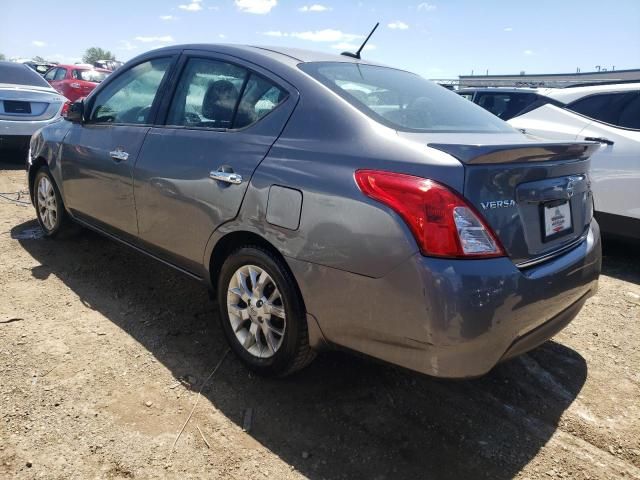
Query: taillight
point(442, 222)
point(65, 109)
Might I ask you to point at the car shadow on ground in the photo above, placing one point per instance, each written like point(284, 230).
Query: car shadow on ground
point(615, 259)
point(344, 416)
point(12, 159)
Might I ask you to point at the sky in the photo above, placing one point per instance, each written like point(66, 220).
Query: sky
point(437, 39)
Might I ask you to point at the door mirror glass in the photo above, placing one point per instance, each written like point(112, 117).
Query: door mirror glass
point(75, 112)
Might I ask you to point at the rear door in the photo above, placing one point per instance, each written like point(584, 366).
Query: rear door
point(98, 155)
point(193, 171)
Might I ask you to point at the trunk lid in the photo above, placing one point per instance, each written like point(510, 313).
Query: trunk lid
point(28, 104)
point(536, 196)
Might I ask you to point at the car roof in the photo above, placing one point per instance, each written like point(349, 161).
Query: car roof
point(498, 89)
point(282, 55)
point(82, 67)
point(571, 94)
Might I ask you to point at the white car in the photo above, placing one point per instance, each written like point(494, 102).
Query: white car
point(607, 114)
point(27, 103)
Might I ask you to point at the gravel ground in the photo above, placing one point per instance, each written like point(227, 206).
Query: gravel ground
point(103, 353)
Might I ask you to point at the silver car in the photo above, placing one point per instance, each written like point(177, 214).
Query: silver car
point(27, 103)
point(329, 202)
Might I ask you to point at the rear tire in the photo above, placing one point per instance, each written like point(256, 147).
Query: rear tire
point(262, 313)
point(50, 209)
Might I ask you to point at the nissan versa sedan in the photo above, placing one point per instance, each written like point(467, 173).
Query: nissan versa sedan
point(329, 202)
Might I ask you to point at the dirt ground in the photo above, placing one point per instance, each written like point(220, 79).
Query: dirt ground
point(103, 352)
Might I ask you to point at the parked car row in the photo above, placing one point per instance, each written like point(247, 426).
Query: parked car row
point(608, 114)
point(329, 201)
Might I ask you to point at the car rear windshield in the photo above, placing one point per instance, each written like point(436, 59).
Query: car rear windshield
point(403, 100)
point(94, 76)
point(19, 74)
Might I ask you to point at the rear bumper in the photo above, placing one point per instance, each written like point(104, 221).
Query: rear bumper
point(23, 128)
point(451, 318)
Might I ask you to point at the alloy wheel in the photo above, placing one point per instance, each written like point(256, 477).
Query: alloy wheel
point(47, 205)
point(256, 311)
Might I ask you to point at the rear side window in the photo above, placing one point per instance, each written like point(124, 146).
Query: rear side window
point(219, 95)
point(207, 94)
point(605, 107)
point(403, 100)
point(128, 99)
point(89, 75)
point(630, 115)
point(260, 96)
point(505, 105)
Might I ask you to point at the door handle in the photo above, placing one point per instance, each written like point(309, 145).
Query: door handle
point(606, 141)
point(119, 155)
point(227, 177)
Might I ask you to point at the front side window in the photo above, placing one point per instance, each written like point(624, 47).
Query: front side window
point(402, 100)
point(50, 74)
point(60, 74)
point(128, 99)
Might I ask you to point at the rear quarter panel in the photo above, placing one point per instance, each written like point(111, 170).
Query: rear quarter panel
point(324, 143)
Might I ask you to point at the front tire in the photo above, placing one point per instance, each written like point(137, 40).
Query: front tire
point(50, 210)
point(262, 313)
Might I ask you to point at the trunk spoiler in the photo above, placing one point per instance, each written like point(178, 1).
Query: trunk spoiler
point(517, 153)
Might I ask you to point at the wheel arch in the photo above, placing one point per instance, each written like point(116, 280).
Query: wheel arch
point(35, 166)
point(233, 240)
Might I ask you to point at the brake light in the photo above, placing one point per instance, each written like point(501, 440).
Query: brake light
point(442, 222)
point(65, 109)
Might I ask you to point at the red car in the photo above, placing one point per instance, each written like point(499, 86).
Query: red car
point(75, 81)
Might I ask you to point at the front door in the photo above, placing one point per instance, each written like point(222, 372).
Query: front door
point(192, 173)
point(98, 155)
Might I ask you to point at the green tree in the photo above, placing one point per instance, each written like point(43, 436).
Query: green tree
point(2, 57)
point(94, 54)
point(38, 58)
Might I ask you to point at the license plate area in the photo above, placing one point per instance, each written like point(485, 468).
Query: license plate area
point(556, 219)
point(12, 106)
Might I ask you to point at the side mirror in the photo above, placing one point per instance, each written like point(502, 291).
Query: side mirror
point(75, 112)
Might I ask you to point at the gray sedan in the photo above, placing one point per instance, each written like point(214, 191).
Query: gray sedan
point(329, 202)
